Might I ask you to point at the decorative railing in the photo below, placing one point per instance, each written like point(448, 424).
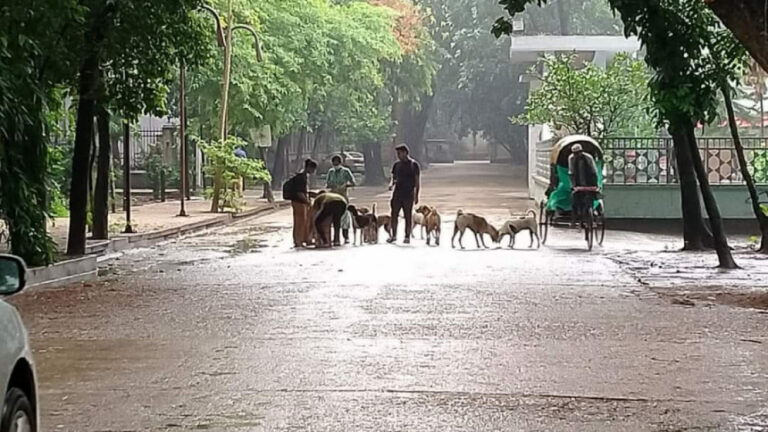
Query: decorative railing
point(637, 160)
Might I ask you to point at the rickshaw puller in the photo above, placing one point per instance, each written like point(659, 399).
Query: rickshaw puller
point(583, 172)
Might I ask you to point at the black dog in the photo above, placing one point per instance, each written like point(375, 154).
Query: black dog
point(367, 224)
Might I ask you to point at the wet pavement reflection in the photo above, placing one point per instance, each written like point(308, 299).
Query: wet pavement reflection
point(233, 330)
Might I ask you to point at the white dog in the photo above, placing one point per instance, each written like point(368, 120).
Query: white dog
point(514, 226)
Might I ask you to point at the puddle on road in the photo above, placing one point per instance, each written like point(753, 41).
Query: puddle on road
point(747, 300)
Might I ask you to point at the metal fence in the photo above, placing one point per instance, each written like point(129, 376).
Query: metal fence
point(142, 142)
point(652, 160)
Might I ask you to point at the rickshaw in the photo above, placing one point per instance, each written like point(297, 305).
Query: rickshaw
point(557, 209)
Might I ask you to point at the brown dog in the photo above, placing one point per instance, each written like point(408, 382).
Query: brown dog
point(431, 222)
point(386, 222)
point(365, 223)
point(478, 225)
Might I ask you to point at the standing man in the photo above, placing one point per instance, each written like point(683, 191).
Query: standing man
point(340, 178)
point(296, 190)
point(406, 182)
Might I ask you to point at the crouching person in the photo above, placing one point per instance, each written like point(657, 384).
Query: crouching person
point(328, 209)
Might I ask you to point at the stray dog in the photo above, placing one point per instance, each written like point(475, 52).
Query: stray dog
point(365, 223)
point(478, 225)
point(514, 226)
point(431, 222)
point(418, 219)
point(386, 222)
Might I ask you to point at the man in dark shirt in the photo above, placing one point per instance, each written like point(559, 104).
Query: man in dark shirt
point(406, 182)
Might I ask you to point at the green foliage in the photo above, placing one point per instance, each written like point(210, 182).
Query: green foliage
point(590, 100)
point(328, 66)
point(228, 170)
point(59, 175)
point(760, 166)
point(159, 173)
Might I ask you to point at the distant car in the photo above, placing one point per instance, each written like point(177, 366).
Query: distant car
point(353, 160)
point(20, 411)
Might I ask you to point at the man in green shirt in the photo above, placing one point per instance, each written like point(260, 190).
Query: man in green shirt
point(328, 208)
point(340, 178)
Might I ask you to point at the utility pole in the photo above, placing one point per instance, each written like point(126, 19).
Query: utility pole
point(127, 176)
point(183, 138)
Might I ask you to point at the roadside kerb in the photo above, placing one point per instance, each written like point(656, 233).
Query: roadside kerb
point(85, 268)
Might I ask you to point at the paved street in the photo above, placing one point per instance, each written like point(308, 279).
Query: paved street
point(235, 331)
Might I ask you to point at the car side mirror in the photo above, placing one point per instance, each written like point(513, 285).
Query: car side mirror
point(13, 274)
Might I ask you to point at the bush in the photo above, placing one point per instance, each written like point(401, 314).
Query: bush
point(227, 171)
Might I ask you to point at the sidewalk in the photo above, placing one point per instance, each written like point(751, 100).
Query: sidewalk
point(160, 217)
point(152, 223)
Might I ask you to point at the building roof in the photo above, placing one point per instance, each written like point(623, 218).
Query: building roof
point(553, 43)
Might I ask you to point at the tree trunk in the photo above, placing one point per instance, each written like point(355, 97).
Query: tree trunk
point(374, 174)
point(715, 221)
point(299, 161)
point(316, 143)
point(91, 172)
point(103, 174)
point(762, 219)
point(411, 126)
point(87, 89)
point(746, 19)
point(696, 234)
point(78, 194)
point(278, 164)
point(267, 186)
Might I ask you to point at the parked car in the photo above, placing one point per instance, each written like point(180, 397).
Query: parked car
point(353, 160)
point(17, 369)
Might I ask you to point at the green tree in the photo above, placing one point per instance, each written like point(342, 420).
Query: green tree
point(678, 37)
point(591, 100)
point(33, 65)
point(127, 58)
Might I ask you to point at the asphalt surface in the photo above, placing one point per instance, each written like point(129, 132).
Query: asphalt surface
point(235, 331)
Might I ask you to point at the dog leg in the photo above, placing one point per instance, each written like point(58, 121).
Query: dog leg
point(437, 236)
point(531, 245)
point(455, 231)
point(461, 238)
point(477, 241)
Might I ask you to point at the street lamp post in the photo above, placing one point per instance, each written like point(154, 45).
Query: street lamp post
point(184, 169)
point(183, 138)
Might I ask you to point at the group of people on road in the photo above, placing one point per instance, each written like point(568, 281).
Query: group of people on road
point(315, 212)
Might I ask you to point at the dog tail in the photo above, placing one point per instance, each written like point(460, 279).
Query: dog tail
point(373, 209)
point(532, 213)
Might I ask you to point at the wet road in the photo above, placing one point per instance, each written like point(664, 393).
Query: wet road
point(234, 331)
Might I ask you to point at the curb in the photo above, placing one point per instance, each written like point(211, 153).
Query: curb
point(85, 268)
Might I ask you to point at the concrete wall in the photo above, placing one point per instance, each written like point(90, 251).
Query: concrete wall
point(655, 201)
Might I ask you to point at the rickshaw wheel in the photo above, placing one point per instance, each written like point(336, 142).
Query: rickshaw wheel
point(543, 221)
point(589, 230)
point(600, 228)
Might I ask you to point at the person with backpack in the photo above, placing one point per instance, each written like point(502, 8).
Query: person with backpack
point(296, 190)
